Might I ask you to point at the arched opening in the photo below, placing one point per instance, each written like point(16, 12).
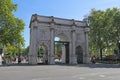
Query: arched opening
point(61, 49)
point(42, 55)
point(79, 53)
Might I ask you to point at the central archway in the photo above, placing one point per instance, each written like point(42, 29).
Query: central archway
point(61, 50)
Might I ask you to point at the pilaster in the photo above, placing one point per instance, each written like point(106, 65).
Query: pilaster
point(63, 54)
point(52, 41)
point(86, 55)
point(33, 46)
point(73, 55)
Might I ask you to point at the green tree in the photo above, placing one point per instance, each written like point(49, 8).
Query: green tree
point(105, 29)
point(115, 29)
point(96, 23)
point(58, 48)
point(26, 51)
point(11, 28)
point(11, 50)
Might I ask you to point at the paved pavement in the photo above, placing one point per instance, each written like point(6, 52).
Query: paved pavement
point(61, 72)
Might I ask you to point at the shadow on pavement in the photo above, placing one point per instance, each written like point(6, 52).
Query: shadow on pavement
point(21, 64)
point(95, 65)
point(100, 65)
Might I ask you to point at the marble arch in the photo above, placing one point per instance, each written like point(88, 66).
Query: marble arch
point(43, 30)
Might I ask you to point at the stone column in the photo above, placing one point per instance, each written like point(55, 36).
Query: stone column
point(33, 46)
point(52, 46)
point(63, 54)
point(70, 52)
point(0, 59)
point(86, 55)
point(73, 55)
point(30, 48)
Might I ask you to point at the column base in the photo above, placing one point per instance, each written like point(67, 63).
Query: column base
point(73, 60)
point(51, 60)
point(32, 59)
point(0, 59)
point(86, 59)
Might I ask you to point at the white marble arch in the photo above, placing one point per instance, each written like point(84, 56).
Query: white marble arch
point(44, 29)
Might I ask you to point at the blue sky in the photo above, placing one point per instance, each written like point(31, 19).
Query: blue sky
point(71, 9)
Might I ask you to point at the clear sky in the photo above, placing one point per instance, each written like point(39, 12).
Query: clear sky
point(71, 9)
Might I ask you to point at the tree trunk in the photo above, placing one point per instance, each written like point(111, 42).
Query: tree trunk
point(101, 54)
point(118, 45)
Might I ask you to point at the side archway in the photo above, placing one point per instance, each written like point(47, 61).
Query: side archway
point(79, 54)
point(42, 54)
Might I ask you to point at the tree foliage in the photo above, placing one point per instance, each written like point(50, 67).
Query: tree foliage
point(105, 30)
point(11, 28)
point(26, 50)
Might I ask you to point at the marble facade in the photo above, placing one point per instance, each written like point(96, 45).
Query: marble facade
point(44, 29)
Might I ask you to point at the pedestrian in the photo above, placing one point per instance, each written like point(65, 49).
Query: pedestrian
point(93, 59)
point(19, 60)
